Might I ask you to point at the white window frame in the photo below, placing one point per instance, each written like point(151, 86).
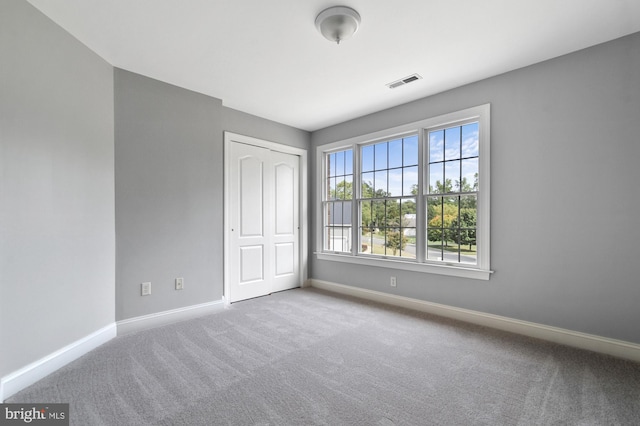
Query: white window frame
point(482, 269)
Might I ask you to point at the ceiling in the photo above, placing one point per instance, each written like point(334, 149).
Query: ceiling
point(266, 58)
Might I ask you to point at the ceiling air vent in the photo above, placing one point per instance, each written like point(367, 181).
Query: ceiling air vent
point(403, 81)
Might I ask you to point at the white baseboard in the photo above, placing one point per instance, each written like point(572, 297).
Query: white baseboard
point(37, 370)
point(167, 317)
point(591, 342)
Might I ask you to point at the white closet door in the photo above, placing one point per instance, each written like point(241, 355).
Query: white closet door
point(264, 220)
point(286, 225)
point(250, 207)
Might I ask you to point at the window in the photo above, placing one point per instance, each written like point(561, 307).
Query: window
point(387, 201)
point(413, 197)
point(338, 201)
point(452, 201)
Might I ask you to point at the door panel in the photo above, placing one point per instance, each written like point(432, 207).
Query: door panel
point(251, 191)
point(284, 187)
point(285, 259)
point(251, 264)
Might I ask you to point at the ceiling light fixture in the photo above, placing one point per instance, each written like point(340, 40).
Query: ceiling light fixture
point(338, 23)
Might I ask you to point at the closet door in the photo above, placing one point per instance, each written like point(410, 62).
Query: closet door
point(249, 218)
point(263, 214)
point(286, 225)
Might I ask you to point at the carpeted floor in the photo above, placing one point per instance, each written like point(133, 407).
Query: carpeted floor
point(308, 357)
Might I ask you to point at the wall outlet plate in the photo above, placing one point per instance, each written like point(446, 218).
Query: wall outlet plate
point(393, 282)
point(179, 283)
point(146, 289)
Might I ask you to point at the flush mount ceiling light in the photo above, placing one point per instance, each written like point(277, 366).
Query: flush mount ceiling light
point(338, 23)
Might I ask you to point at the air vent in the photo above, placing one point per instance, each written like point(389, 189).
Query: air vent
point(403, 81)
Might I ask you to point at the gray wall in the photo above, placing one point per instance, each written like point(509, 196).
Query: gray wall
point(169, 191)
point(57, 241)
point(564, 194)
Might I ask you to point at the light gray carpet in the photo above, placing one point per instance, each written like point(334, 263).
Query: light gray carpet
point(307, 357)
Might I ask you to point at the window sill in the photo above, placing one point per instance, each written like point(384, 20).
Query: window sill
point(428, 268)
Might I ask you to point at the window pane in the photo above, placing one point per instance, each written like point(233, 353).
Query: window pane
point(466, 232)
point(393, 214)
point(367, 185)
point(380, 187)
point(470, 175)
point(348, 162)
point(366, 240)
point(378, 243)
point(340, 188)
point(410, 151)
point(436, 177)
point(327, 238)
point(434, 247)
point(338, 229)
point(408, 212)
point(434, 228)
point(434, 210)
point(469, 253)
point(470, 140)
point(450, 210)
point(452, 176)
point(450, 229)
point(367, 158)
point(378, 211)
point(469, 202)
point(436, 146)
point(339, 163)
point(326, 214)
point(348, 187)
point(410, 181)
point(331, 187)
point(330, 213)
point(346, 215)
point(449, 254)
point(336, 240)
point(395, 153)
point(380, 156)
point(366, 215)
point(395, 242)
point(395, 182)
point(408, 249)
point(331, 164)
point(340, 239)
point(452, 143)
point(408, 227)
point(337, 217)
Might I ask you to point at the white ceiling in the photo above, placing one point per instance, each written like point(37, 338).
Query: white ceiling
point(266, 57)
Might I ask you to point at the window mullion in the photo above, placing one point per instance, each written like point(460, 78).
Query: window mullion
point(355, 205)
point(421, 221)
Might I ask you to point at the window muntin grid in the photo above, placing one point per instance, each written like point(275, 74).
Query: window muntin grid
point(338, 201)
point(452, 188)
point(387, 198)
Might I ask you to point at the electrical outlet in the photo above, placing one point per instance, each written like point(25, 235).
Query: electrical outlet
point(393, 282)
point(146, 289)
point(179, 283)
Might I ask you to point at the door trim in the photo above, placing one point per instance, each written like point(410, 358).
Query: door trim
point(230, 138)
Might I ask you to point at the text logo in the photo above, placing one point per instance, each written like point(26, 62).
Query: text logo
point(34, 414)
